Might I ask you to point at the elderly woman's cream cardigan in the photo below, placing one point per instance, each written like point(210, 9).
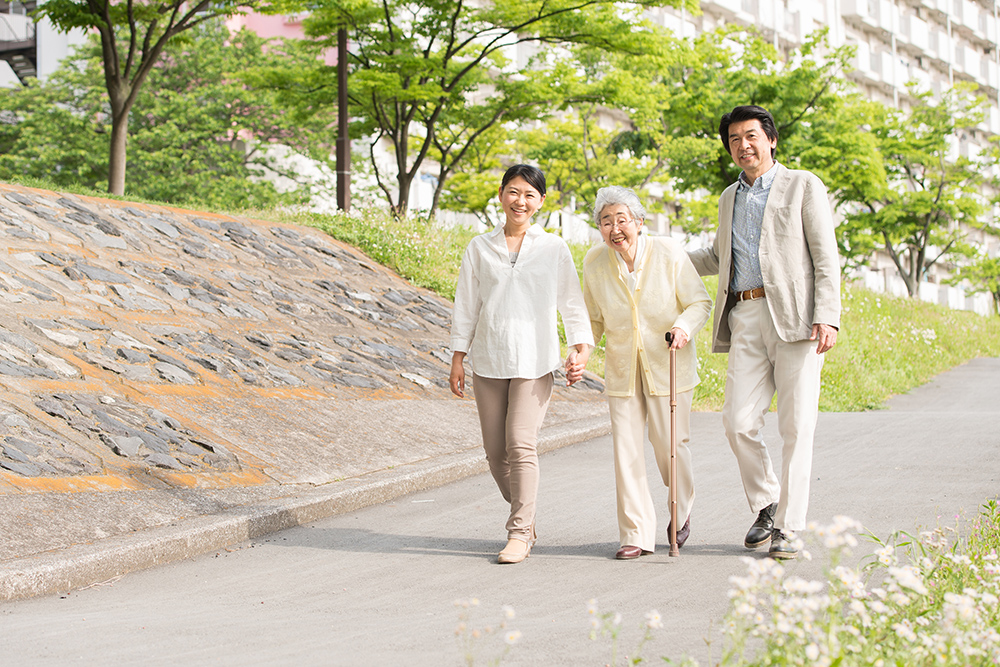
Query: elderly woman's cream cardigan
point(668, 294)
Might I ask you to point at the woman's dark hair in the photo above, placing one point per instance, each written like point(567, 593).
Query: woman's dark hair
point(749, 112)
point(533, 175)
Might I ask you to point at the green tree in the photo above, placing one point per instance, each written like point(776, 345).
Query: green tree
point(432, 77)
point(983, 275)
point(202, 137)
point(133, 35)
point(846, 155)
point(473, 184)
point(919, 215)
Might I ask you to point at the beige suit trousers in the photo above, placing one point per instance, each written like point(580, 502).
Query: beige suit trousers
point(760, 366)
point(510, 415)
point(629, 415)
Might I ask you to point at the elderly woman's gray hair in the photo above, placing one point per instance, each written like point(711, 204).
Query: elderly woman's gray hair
point(616, 194)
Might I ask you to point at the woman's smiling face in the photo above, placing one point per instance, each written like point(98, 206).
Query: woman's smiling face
point(619, 230)
point(520, 201)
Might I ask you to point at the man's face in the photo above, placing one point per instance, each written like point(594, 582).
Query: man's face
point(750, 148)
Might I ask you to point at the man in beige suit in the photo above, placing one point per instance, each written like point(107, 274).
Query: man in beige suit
point(777, 312)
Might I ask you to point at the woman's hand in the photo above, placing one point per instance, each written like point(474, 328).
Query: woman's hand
point(457, 377)
point(680, 338)
point(576, 362)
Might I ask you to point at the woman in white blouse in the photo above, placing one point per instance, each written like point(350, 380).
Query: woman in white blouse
point(511, 283)
point(636, 289)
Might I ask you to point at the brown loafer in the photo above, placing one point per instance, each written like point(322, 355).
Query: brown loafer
point(515, 551)
point(628, 552)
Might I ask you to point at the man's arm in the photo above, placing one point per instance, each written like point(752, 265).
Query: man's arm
point(705, 260)
point(817, 222)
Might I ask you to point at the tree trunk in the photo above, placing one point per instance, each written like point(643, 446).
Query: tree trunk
point(404, 180)
point(116, 161)
point(908, 280)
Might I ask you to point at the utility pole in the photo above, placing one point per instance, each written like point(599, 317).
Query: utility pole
point(343, 140)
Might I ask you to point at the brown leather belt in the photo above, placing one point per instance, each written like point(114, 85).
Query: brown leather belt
point(750, 294)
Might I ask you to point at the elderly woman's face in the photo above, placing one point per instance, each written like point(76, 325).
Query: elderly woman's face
point(618, 229)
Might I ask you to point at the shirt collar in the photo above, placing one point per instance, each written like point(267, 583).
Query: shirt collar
point(534, 231)
point(765, 180)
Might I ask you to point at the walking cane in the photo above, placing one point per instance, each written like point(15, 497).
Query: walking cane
point(674, 550)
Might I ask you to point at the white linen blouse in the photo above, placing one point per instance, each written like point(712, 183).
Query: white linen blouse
point(505, 316)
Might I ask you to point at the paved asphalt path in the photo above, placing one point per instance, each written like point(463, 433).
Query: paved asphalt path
point(377, 587)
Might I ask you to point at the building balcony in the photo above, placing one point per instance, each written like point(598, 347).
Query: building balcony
point(18, 45)
point(913, 33)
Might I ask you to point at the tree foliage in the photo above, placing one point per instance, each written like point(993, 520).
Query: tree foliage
point(432, 78)
point(667, 98)
point(133, 35)
point(981, 275)
point(200, 136)
point(918, 215)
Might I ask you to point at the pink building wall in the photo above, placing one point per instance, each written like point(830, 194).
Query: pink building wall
point(289, 26)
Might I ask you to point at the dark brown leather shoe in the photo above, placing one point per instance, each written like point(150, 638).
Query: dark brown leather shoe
point(782, 546)
point(683, 534)
point(760, 531)
point(628, 552)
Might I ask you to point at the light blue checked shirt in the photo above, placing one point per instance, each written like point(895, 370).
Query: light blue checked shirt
point(748, 214)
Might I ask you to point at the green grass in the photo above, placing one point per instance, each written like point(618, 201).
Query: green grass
point(40, 184)
point(888, 345)
point(426, 255)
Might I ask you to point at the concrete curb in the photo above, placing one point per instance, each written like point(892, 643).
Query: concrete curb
point(86, 564)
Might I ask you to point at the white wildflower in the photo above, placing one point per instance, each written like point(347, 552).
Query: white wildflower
point(908, 577)
point(905, 630)
point(653, 620)
point(886, 555)
point(801, 586)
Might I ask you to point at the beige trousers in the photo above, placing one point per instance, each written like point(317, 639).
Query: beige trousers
point(636, 514)
point(510, 414)
point(760, 366)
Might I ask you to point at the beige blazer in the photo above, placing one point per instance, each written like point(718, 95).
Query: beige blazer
point(798, 258)
point(668, 294)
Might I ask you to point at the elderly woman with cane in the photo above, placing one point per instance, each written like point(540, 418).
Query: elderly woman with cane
point(510, 285)
point(636, 289)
